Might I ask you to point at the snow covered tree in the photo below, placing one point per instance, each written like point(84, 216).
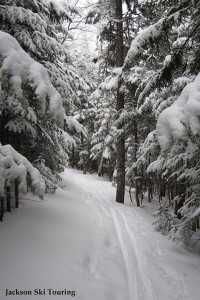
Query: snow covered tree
point(16, 173)
point(38, 83)
point(113, 46)
point(84, 64)
point(163, 52)
point(103, 140)
point(120, 105)
point(27, 99)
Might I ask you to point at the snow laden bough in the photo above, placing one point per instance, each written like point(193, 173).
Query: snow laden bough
point(182, 116)
point(15, 168)
point(178, 130)
point(30, 106)
point(19, 68)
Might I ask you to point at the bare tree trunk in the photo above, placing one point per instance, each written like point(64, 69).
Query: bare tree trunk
point(137, 183)
point(100, 166)
point(8, 199)
point(149, 188)
point(73, 158)
point(84, 166)
point(119, 107)
point(110, 170)
point(2, 209)
point(16, 193)
point(149, 183)
point(83, 157)
point(137, 192)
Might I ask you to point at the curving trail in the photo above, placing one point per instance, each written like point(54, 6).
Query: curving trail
point(80, 239)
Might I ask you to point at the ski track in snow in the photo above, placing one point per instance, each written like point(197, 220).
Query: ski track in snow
point(141, 284)
point(123, 260)
point(136, 264)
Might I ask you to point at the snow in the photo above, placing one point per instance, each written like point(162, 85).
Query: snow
point(106, 153)
point(143, 1)
point(61, 7)
point(141, 39)
point(20, 67)
point(81, 240)
point(183, 114)
point(13, 165)
point(117, 71)
point(19, 15)
point(72, 123)
point(111, 82)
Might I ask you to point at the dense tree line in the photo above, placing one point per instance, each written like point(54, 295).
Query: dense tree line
point(158, 117)
point(40, 88)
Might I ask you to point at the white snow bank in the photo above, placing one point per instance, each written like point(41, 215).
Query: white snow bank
point(20, 67)
point(183, 114)
point(13, 165)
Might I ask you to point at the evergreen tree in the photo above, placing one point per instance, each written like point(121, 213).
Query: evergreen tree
point(158, 65)
point(43, 91)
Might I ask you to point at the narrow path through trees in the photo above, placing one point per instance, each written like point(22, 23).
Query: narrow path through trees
point(81, 240)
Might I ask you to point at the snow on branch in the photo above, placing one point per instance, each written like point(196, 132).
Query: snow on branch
point(73, 124)
point(183, 114)
point(13, 166)
point(61, 8)
point(151, 32)
point(21, 15)
point(19, 67)
point(111, 82)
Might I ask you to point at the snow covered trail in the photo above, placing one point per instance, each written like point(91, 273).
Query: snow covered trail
point(81, 240)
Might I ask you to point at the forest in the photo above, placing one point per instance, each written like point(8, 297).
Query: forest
point(109, 87)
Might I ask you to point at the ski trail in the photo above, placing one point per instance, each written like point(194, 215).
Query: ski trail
point(135, 277)
point(172, 279)
point(102, 249)
point(148, 275)
point(138, 265)
point(139, 286)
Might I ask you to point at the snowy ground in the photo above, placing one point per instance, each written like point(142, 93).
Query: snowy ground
point(81, 240)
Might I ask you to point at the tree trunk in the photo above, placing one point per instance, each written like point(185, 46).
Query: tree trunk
point(100, 166)
point(137, 184)
point(84, 165)
point(149, 188)
point(119, 107)
point(8, 199)
point(110, 170)
point(16, 193)
point(137, 192)
point(83, 156)
point(2, 209)
point(73, 158)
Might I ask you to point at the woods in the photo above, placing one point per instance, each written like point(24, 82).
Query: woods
point(128, 108)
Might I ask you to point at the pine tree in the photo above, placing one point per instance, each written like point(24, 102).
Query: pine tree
point(35, 110)
point(120, 106)
point(163, 53)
